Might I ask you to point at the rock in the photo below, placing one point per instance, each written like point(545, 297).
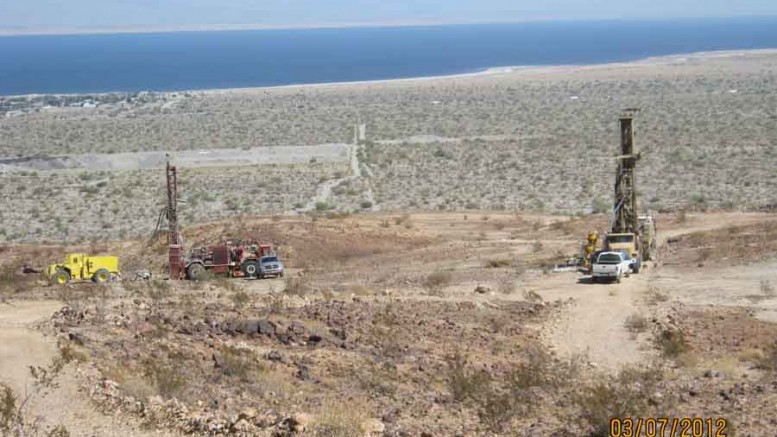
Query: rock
point(339, 333)
point(315, 338)
point(372, 427)
point(303, 373)
point(482, 289)
point(76, 338)
point(218, 360)
point(274, 355)
point(299, 422)
point(249, 327)
point(265, 327)
point(241, 426)
point(712, 374)
point(248, 414)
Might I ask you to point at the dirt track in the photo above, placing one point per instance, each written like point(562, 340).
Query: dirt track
point(132, 161)
point(22, 346)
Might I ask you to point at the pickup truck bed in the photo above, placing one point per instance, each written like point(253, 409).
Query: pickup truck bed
point(610, 266)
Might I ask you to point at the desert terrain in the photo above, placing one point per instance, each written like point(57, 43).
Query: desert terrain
point(529, 139)
point(434, 323)
point(423, 294)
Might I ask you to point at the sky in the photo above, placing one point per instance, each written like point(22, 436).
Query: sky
point(30, 15)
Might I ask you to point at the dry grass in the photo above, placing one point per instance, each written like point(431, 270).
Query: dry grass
point(337, 419)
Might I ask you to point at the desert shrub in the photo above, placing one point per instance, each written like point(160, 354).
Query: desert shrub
point(671, 342)
point(324, 206)
point(499, 263)
point(499, 399)
point(167, 380)
point(158, 290)
point(379, 378)
point(296, 286)
point(531, 296)
point(636, 323)
point(235, 363)
point(629, 394)
point(506, 285)
point(401, 219)
point(13, 420)
point(9, 410)
point(769, 359)
point(463, 382)
point(240, 298)
point(656, 295)
point(767, 289)
point(437, 281)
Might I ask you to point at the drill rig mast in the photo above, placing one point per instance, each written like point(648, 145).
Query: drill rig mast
point(625, 213)
point(173, 235)
point(629, 231)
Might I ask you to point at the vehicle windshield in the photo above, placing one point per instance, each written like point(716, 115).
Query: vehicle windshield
point(620, 238)
point(270, 259)
point(609, 258)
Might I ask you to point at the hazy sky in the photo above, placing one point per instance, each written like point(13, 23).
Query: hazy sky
point(72, 14)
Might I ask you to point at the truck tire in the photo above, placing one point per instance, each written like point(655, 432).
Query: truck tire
point(62, 277)
point(250, 269)
point(618, 279)
point(101, 276)
point(195, 272)
point(636, 266)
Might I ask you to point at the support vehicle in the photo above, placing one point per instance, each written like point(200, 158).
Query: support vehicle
point(82, 267)
point(237, 260)
point(270, 265)
point(611, 266)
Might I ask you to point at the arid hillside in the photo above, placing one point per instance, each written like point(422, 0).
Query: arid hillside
point(394, 325)
point(541, 139)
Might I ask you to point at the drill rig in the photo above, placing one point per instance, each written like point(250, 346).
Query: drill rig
point(232, 258)
point(628, 230)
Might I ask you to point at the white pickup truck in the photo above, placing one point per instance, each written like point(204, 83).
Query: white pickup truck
point(611, 266)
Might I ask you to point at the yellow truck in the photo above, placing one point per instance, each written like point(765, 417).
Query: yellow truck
point(641, 247)
point(82, 267)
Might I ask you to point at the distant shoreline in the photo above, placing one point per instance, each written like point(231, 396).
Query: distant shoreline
point(493, 71)
point(518, 69)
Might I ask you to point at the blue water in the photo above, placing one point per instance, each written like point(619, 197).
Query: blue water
point(250, 58)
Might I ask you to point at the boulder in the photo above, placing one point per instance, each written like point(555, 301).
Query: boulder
point(482, 289)
point(265, 327)
point(299, 422)
point(372, 427)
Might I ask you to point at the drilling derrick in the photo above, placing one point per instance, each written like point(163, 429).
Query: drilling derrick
point(173, 235)
point(625, 210)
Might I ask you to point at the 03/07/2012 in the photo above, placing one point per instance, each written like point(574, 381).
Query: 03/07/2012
point(668, 427)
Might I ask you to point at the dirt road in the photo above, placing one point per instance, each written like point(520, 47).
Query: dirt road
point(594, 324)
point(22, 346)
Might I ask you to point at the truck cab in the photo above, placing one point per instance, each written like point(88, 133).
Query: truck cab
point(625, 242)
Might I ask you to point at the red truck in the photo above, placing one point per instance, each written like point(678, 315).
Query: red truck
point(232, 259)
